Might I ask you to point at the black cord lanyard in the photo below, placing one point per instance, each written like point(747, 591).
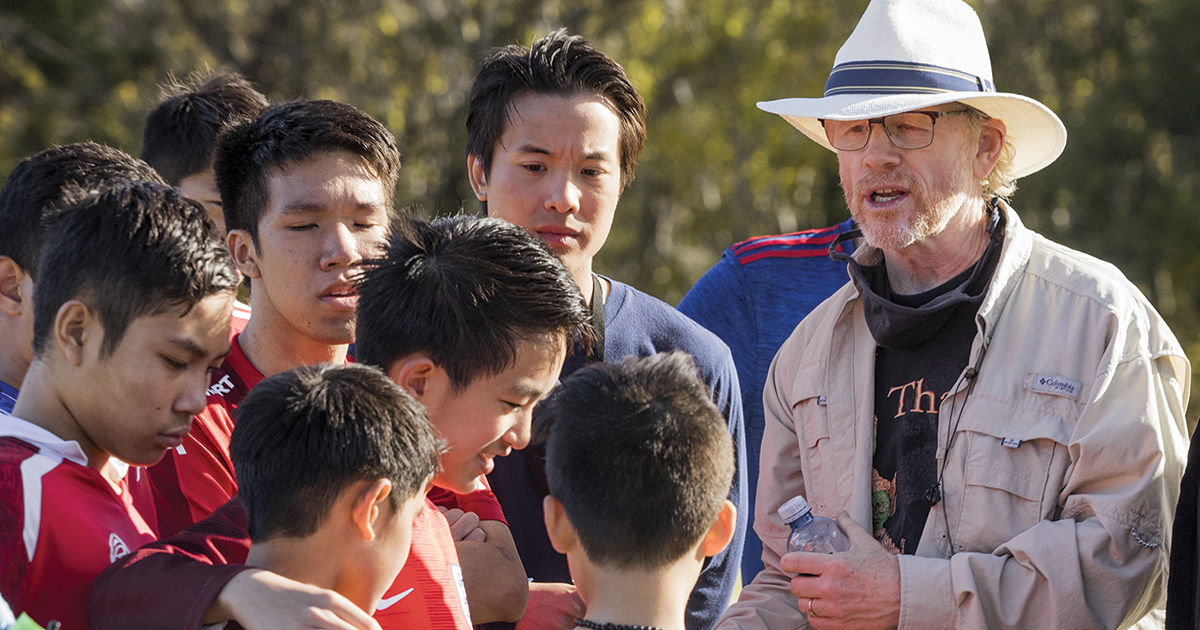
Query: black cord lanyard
point(535, 455)
point(598, 317)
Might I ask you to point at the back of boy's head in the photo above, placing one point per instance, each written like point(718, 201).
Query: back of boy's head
point(291, 133)
point(639, 457)
point(36, 188)
point(465, 291)
point(181, 133)
point(303, 436)
point(127, 250)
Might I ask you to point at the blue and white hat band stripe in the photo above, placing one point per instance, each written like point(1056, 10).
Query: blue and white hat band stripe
point(883, 77)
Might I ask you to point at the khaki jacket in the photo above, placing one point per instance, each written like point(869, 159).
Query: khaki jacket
point(1063, 472)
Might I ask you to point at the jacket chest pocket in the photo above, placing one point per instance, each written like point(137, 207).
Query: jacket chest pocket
point(1013, 462)
point(811, 413)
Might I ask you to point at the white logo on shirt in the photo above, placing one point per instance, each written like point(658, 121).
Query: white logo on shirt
point(221, 387)
point(456, 571)
point(388, 602)
point(116, 548)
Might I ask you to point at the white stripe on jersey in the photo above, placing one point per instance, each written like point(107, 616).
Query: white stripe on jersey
point(32, 471)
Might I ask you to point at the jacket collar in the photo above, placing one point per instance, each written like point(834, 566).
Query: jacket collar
point(1018, 246)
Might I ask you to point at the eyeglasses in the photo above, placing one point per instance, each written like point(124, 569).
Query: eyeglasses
point(909, 130)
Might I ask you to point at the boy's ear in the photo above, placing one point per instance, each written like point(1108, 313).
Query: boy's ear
point(245, 254)
point(368, 506)
point(414, 375)
point(12, 276)
point(558, 526)
point(477, 176)
point(721, 531)
point(74, 328)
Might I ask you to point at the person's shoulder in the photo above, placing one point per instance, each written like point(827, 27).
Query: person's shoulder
point(14, 450)
point(14, 453)
point(1060, 277)
point(795, 248)
point(432, 542)
point(1083, 276)
point(664, 328)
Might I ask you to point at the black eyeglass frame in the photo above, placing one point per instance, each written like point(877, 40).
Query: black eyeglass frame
point(871, 122)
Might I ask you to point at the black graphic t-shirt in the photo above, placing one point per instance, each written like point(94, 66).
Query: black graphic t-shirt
point(910, 384)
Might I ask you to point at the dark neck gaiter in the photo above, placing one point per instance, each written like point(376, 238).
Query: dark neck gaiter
point(900, 321)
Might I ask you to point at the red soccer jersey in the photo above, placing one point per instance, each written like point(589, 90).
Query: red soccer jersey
point(142, 590)
point(241, 317)
point(196, 477)
point(61, 524)
point(482, 501)
point(428, 594)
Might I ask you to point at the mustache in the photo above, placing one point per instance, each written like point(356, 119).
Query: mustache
point(876, 181)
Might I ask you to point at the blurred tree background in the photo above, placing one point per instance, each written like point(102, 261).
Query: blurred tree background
point(1123, 74)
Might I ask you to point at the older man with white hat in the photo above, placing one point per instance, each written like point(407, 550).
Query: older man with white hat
point(996, 420)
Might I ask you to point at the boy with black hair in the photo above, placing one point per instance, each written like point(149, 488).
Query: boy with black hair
point(32, 194)
point(307, 190)
point(131, 314)
point(553, 136)
point(334, 463)
point(307, 193)
point(180, 137)
point(472, 317)
point(639, 463)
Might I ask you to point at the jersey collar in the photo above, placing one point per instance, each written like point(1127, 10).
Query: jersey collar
point(26, 431)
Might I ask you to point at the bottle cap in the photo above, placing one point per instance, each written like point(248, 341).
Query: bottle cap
point(793, 509)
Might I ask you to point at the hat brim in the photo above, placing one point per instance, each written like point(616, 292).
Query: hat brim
point(1036, 133)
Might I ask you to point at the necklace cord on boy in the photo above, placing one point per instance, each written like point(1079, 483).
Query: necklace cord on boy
point(596, 625)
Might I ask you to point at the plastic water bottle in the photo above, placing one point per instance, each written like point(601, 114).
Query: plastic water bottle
point(811, 533)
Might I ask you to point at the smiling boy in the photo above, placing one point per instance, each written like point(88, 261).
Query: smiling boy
point(307, 196)
point(472, 317)
point(132, 313)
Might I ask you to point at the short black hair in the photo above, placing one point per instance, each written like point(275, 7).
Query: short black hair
point(35, 190)
point(181, 132)
point(639, 457)
point(127, 250)
point(304, 435)
point(465, 291)
point(557, 64)
point(292, 133)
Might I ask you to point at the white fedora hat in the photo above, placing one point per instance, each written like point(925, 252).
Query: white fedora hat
point(910, 54)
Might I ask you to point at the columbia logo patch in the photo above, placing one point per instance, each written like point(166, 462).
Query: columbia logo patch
point(1054, 385)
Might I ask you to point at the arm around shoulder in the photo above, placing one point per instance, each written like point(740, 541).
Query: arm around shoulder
point(495, 580)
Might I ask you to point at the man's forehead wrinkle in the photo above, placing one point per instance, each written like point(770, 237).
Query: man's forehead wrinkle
point(529, 147)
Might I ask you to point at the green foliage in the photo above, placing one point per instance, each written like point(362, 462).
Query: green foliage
point(1121, 73)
